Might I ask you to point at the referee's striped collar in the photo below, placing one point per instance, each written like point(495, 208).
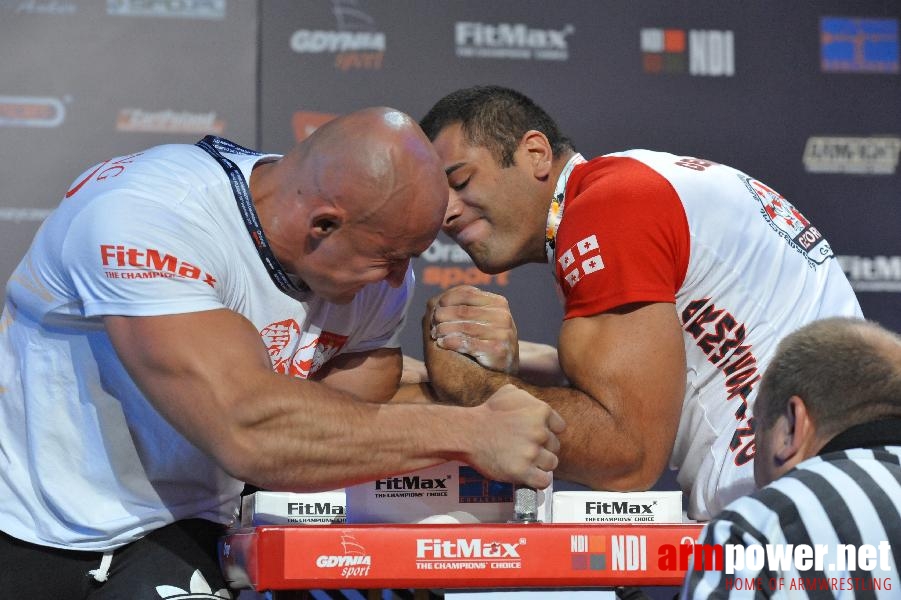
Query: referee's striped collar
point(884, 432)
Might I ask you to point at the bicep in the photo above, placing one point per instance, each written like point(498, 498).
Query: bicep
point(373, 376)
point(632, 360)
point(195, 368)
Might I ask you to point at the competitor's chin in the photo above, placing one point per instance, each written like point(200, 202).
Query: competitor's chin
point(484, 257)
point(476, 246)
point(477, 233)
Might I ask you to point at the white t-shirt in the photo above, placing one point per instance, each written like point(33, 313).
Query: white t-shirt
point(743, 267)
point(86, 462)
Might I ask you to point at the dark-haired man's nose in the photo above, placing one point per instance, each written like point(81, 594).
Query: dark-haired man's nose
point(454, 209)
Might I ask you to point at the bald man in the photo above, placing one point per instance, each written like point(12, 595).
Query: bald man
point(193, 317)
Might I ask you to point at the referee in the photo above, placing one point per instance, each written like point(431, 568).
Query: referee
point(827, 460)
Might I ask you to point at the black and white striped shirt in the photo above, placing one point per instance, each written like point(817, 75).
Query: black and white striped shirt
point(850, 493)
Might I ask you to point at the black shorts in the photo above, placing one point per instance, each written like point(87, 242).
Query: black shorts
point(179, 560)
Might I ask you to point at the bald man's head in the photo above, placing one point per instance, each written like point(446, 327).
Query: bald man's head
point(352, 203)
point(373, 162)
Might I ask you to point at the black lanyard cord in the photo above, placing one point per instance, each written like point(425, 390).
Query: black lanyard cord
point(214, 146)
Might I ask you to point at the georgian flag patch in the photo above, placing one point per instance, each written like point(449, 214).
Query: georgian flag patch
point(580, 260)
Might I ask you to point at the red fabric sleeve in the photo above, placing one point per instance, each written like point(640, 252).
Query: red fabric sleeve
point(623, 238)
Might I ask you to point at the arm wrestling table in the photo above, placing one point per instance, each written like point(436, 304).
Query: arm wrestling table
point(555, 555)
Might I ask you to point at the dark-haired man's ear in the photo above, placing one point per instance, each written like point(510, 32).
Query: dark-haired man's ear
point(538, 152)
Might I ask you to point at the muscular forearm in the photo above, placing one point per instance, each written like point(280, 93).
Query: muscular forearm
point(458, 379)
point(599, 449)
point(282, 432)
point(622, 391)
point(303, 436)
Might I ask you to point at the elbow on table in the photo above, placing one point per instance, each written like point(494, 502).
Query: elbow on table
point(633, 482)
point(635, 475)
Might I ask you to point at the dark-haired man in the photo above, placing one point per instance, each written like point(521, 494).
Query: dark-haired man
point(679, 274)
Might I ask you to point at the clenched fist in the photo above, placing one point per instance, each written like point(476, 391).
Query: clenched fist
point(477, 323)
point(519, 440)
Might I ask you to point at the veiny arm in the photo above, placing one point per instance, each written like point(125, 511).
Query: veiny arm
point(209, 374)
point(627, 374)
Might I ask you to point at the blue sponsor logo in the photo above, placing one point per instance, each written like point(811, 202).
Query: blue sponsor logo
point(857, 45)
point(475, 488)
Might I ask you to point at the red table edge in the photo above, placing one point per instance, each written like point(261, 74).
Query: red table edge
point(250, 544)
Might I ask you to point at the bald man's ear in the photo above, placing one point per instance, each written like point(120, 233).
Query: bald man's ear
point(538, 151)
point(325, 220)
point(799, 433)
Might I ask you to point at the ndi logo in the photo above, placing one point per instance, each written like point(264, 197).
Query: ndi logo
point(626, 552)
point(589, 552)
point(711, 52)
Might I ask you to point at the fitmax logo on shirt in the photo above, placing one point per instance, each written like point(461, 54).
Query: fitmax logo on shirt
point(126, 262)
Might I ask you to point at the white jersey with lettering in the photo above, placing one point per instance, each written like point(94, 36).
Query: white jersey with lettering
point(86, 462)
point(741, 264)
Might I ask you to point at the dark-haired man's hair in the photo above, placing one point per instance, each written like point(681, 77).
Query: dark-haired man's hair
point(496, 118)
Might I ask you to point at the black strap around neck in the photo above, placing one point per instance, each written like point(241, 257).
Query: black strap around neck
point(215, 146)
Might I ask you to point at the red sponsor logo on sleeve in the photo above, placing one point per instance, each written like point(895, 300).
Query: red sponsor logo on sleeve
point(126, 262)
